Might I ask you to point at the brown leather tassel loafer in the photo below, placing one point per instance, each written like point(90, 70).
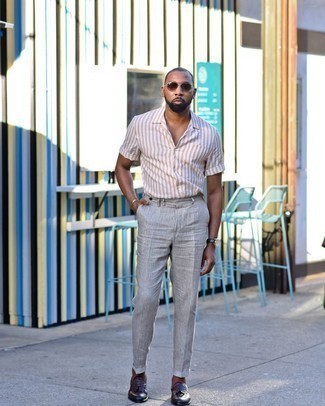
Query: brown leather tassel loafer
point(138, 388)
point(180, 394)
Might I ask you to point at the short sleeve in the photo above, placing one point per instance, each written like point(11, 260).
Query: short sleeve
point(130, 147)
point(215, 162)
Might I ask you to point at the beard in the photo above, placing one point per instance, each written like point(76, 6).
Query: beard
point(178, 107)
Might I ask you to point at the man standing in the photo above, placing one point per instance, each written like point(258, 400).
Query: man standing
point(177, 151)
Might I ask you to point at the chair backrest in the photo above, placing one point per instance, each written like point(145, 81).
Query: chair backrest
point(272, 200)
point(240, 200)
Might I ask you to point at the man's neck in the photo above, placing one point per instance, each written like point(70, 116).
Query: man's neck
point(173, 117)
point(177, 123)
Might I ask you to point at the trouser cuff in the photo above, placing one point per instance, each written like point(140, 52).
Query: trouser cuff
point(139, 370)
point(181, 374)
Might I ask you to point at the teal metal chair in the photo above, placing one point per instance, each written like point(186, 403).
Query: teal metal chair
point(238, 213)
point(127, 279)
point(269, 209)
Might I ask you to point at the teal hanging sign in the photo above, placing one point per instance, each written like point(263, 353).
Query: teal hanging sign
point(209, 93)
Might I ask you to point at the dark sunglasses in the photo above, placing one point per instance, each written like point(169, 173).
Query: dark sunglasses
point(172, 86)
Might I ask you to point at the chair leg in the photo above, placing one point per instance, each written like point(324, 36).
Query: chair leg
point(239, 262)
point(286, 250)
point(111, 268)
point(260, 288)
point(128, 289)
point(259, 261)
point(132, 294)
point(231, 266)
point(106, 302)
point(222, 277)
point(166, 294)
point(234, 292)
point(224, 292)
point(263, 285)
point(197, 318)
point(204, 283)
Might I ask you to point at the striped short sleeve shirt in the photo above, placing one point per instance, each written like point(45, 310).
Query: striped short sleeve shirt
point(169, 170)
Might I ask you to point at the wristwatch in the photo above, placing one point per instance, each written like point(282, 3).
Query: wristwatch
point(213, 241)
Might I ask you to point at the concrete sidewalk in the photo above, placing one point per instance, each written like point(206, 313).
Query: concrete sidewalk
point(259, 356)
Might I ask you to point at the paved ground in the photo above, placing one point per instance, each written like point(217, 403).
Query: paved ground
point(259, 356)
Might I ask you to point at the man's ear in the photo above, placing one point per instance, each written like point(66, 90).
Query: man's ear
point(194, 93)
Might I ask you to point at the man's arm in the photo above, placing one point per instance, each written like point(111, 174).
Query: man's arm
point(214, 202)
point(125, 181)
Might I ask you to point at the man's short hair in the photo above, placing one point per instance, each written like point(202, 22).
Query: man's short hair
point(179, 69)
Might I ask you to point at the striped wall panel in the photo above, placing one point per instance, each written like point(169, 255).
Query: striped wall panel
point(229, 83)
point(186, 35)
point(49, 276)
point(172, 24)
point(156, 35)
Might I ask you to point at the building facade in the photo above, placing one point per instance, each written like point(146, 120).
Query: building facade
point(73, 74)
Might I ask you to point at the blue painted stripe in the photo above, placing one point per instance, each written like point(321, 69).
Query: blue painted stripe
point(18, 28)
point(69, 247)
point(107, 253)
point(26, 228)
point(51, 242)
point(71, 262)
point(19, 226)
point(88, 208)
point(18, 177)
point(90, 273)
point(90, 178)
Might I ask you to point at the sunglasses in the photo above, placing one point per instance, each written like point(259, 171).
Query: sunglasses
point(186, 87)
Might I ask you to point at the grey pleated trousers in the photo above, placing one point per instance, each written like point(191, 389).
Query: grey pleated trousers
point(177, 228)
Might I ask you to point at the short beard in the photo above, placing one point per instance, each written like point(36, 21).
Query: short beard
point(178, 107)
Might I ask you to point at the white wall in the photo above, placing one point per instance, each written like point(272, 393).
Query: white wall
point(310, 218)
point(250, 9)
point(311, 15)
point(249, 104)
point(249, 118)
point(301, 174)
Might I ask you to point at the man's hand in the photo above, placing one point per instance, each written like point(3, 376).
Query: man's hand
point(208, 259)
point(138, 203)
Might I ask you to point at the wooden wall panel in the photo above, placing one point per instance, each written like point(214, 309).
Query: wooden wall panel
point(279, 40)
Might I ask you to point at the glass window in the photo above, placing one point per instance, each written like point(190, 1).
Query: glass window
point(143, 92)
